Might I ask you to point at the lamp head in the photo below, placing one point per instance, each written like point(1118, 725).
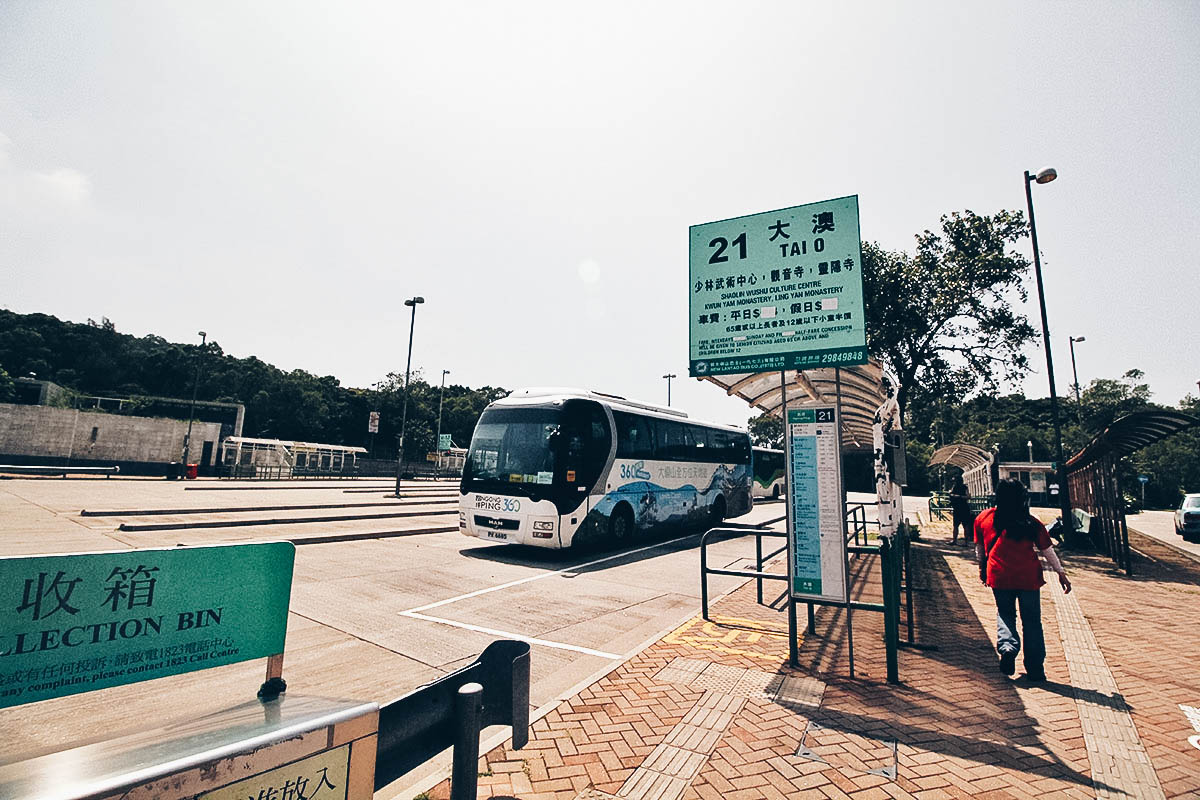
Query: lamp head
point(414, 301)
point(202, 334)
point(1046, 175)
point(1081, 338)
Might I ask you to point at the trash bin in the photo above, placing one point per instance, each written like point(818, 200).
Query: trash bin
point(192, 471)
point(173, 471)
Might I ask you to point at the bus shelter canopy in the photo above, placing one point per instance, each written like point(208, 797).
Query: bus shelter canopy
point(964, 456)
point(862, 395)
point(1131, 433)
point(975, 463)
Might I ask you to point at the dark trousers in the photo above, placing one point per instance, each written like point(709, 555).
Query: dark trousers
point(967, 520)
point(1007, 640)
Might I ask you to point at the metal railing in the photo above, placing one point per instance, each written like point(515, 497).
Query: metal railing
point(940, 508)
point(451, 711)
point(757, 573)
point(857, 522)
point(32, 469)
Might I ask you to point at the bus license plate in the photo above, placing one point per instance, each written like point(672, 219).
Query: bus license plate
point(496, 535)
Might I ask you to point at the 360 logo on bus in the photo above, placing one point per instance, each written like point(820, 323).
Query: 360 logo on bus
point(488, 502)
point(635, 471)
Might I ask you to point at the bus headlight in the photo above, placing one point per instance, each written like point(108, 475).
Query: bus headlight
point(543, 528)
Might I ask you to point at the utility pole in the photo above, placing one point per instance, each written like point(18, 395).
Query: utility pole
point(187, 438)
point(412, 303)
point(441, 397)
point(669, 376)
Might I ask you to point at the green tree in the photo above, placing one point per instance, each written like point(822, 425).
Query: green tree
point(766, 430)
point(943, 319)
point(1105, 399)
point(8, 389)
point(1173, 464)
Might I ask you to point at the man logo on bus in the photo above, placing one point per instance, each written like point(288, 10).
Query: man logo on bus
point(638, 471)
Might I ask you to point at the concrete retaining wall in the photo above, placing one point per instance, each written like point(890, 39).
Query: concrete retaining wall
point(59, 435)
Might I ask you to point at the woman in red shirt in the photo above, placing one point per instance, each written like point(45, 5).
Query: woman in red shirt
point(1007, 542)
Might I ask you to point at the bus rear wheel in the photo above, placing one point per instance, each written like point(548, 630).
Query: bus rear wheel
point(620, 525)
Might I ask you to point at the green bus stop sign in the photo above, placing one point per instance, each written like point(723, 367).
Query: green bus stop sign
point(777, 290)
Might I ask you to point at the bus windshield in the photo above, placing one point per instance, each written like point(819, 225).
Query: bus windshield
point(514, 445)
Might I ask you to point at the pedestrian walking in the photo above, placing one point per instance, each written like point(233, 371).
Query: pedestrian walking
point(960, 509)
point(1007, 542)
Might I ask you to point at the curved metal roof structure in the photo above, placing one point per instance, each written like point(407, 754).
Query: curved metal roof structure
point(1130, 433)
point(964, 456)
point(862, 395)
point(975, 463)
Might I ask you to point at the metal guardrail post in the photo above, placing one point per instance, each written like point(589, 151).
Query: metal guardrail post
point(758, 563)
point(891, 607)
point(464, 778)
point(908, 590)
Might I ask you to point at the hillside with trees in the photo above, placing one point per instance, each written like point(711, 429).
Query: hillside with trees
point(95, 359)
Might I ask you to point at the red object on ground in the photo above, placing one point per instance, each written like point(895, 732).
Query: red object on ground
point(192, 471)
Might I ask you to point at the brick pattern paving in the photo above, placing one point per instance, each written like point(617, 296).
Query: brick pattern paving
point(1114, 748)
point(712, 710)
point(1146, 628)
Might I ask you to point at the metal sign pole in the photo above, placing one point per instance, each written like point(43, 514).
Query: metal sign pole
point(793, 645)
point(837, 380)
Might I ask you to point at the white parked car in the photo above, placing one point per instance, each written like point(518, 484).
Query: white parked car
point(1187, 517)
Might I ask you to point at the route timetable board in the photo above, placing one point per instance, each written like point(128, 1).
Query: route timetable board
point(777, 290)
point(817, 545)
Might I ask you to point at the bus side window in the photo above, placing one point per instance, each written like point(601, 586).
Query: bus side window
point(672, 441)
point(634, 438)
point(740, 450)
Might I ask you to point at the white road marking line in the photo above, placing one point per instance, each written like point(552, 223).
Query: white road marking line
point(538, 577)
point(509, 635)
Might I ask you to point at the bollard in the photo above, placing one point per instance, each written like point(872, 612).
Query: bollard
point(464, 779)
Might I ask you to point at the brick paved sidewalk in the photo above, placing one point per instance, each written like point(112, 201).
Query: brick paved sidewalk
point(712, 710)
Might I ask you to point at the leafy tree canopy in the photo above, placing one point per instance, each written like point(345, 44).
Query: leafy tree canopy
point(943, 318)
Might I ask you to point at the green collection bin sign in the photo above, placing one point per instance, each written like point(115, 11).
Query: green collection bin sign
point(778, 290)
point(74, 623)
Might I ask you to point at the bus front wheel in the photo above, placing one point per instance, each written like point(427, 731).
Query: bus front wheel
point(620, 525)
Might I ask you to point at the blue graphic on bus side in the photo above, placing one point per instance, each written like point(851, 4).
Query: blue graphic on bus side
point(654, 504)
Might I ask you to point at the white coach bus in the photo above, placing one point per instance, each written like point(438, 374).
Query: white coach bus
point(770, 473)
point(556, 467)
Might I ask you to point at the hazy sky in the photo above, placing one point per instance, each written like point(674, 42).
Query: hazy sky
point(282, 175)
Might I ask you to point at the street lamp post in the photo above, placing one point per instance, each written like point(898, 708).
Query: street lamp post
point(412, 303)
point(187, 437)
point(1075, 375)
point(669, 376)
point(441, 397)
point(1045, 176)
